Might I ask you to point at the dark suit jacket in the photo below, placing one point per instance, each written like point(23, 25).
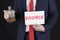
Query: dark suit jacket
point(51, 15)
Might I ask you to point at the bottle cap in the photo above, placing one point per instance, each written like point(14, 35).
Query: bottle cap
point(9, 7)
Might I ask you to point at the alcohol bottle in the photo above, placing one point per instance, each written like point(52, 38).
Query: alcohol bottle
point(11, 13)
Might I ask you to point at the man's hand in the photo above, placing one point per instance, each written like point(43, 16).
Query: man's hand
point(7, 16)
point(39, 27)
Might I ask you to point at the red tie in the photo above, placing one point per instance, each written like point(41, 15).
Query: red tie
point(31, 5)
point(31, 29)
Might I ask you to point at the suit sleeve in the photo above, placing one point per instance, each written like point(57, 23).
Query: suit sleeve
point(53, 14)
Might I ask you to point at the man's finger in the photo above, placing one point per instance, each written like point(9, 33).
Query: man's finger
point(4, 10)
point(35, 26)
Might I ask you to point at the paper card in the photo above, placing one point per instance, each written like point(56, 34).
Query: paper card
point(35, 17)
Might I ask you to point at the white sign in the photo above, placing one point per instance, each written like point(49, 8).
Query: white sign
point(35, 17)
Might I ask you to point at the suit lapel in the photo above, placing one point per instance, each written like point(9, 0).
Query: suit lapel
point(24, 5)
point(38, 2)
point(39, 5)
point(36, 5)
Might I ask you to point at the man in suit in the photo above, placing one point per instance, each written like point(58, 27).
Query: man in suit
point(42, 32)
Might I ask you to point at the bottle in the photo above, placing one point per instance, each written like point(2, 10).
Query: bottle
point(11, 14)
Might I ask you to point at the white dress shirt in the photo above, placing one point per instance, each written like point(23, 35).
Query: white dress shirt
point(27, 6)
